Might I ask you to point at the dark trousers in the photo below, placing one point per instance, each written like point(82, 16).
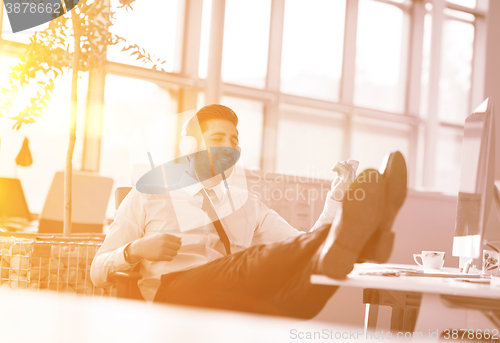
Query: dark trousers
point(269, 279)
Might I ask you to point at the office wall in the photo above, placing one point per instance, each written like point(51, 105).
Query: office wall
point(492, 89)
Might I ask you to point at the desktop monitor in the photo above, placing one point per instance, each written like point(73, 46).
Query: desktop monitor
point(476, 182)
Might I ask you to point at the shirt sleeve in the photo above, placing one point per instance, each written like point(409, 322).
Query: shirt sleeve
point(328, 214)
point(271, 227)
point(127, 227)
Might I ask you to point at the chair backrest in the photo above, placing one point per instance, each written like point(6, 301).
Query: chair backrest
point(120, 194)
point(90, 196)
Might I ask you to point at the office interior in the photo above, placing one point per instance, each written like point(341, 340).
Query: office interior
point(313, 83)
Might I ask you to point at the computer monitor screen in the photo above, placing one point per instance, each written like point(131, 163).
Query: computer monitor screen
point(476, 182)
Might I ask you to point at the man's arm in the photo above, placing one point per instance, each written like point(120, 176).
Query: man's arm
point(127, 227)
point(345, 175)
point(126, 244)
point(271, 226)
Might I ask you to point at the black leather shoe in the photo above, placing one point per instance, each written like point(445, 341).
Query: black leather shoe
point(355, 222)
point(379, 247)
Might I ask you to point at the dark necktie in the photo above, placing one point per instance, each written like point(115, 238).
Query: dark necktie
point(210, 211)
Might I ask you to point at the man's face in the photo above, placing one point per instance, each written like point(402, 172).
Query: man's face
point(220, 139)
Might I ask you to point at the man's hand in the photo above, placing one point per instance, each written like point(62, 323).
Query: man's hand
point(345, 175)
point(158, 247)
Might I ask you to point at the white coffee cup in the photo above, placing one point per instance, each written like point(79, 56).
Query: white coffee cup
point(430, 259)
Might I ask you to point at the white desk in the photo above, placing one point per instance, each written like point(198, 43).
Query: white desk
point(439, 303)
point(28, 317)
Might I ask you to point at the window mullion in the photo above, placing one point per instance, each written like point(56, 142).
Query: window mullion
point(91, 154)
point(192, 38)
point(214, 82)
point(348, 70)
point(190, 54)
point(271, 110)
point(275, 45)
point(412, 106)
point(432, 122)
point(349, 56)
point(93, 122)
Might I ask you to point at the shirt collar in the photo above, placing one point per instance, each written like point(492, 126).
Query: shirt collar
point(193, 186)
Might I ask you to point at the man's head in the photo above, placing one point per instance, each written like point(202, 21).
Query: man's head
point(217, 146)
point(210, 112)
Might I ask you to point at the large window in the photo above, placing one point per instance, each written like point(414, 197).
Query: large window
point(313, 82)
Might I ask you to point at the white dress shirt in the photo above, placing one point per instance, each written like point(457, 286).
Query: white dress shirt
point(180, 214)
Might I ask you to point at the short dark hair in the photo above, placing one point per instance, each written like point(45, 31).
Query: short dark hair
point(214, 111)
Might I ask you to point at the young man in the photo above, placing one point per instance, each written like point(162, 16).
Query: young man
point(248, 259)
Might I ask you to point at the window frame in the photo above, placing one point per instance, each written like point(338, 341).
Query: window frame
point(421, 159)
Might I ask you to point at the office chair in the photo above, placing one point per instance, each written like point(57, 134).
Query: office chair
point(90, 196)
point(126, 282)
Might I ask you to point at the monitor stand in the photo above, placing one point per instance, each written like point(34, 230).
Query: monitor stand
point(466, 262)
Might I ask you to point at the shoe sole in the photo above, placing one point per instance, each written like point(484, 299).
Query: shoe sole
point(379, 246)
point(342, 247)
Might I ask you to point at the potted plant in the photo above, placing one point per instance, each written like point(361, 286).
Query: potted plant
point(75, 42)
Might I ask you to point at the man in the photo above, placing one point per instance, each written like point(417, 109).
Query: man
point(247, 259)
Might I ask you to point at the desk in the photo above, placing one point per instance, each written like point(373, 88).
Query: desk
point(422, 303)
point(28, 317)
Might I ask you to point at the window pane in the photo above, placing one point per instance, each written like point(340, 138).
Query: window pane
point(246, 41)
point(455, 75)
point(309, 149)
point(153, 25)
point(22, 36)
point(313, 39)
point(371, 144)
point(379, 78)
point(48, 136)
point(132, 105)
point(250, 127)
point(448, 154)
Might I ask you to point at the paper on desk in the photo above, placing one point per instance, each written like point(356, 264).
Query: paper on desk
point(408, 270)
